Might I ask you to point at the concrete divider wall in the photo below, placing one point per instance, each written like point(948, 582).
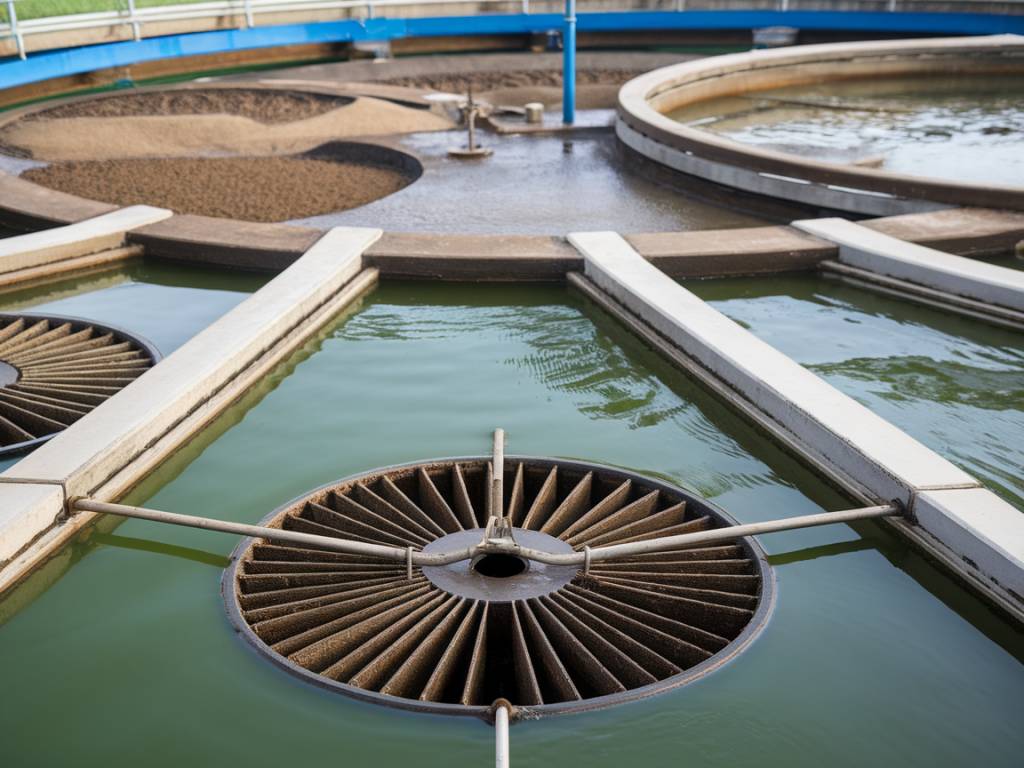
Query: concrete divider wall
point(102, 443)
point(876, 252)
point(979, 533)
point(83, 238)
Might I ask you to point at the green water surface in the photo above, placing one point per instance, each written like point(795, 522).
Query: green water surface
point(164, 303)
point(955, 384)
point(119, 652)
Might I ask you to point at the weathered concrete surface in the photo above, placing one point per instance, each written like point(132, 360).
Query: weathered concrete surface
point(720, 252)
point(645, 101)
point(985, 531)
point(870, 250)
point(225, 242)
point(25, 510)
point(28, 206)
point(837, 429)
point(791, 184)
point(964, 525)
point(79, 266)
point(473, 257)
point(101, 233)
point(965, 231)
point(112, 436)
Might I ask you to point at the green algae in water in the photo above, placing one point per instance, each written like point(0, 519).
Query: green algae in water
point(125, 635)
point(955, 384)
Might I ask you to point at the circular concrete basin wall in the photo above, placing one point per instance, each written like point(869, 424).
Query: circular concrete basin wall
point(644, 126)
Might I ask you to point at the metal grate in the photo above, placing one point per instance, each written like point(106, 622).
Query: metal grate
point(54, 370)
point(455, 638)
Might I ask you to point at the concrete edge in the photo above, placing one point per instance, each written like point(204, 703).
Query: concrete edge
point(883, 254)
point(861, 450)
point(84, 238)
point(986, 532)
point(112, 436)
point(644, 100)
point(50, 544)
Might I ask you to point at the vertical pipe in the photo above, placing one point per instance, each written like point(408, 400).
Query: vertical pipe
point(501, 758)
point(569, 64)
point(136, 27)
point(12, 19)
point(498, 465)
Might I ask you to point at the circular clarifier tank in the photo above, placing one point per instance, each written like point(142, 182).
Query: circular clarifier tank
point(966, 128)
point(54, 370)
point(454, 638)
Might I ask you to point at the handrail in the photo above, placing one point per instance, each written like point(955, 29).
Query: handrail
point(248, 11)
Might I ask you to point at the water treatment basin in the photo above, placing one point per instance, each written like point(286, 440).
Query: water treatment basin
point(422, 370)
point(958, 128)
point(954, 383)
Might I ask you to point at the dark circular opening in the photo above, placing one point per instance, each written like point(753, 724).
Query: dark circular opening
point(498, 566)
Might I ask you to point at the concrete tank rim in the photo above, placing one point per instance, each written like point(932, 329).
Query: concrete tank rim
point(635, 111)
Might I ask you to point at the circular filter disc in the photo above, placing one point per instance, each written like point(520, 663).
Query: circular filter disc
point(54, 370)
point(455, 638)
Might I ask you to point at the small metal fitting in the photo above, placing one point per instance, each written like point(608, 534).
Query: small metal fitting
point(513, 711)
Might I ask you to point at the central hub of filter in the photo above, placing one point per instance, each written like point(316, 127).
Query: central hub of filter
point(497, 576)
point(495, 623)
point(8, 374)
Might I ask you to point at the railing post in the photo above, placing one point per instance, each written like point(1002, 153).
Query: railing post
point(12, 18)
point(569, 64)
point(248, 14)
point(136, 26)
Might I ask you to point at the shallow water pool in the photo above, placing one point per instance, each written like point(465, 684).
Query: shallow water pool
point(958, 128)
point(955, 384)
point(125, 634)
point(545, 185)
point(166, 304)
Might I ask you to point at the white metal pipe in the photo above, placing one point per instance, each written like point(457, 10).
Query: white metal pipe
point(666, 543)
point(274, 534)
point(405, 555)
point(12, 20)
point(501, 752)
point(133, 20)
point(498, 480)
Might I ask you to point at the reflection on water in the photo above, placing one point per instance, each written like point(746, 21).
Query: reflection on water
point(955, 384)
point(961, 128)
point(566, 358)
point(534, 185)
point(163, 303)
point(425, 370)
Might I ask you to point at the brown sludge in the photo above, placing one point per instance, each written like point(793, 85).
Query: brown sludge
point(261, 105)
point(264, 189)
point(486, 81)
point(189, 135)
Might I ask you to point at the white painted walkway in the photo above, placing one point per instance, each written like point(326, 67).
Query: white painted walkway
point(972, 523)
point(79, 239)
point(873, 251)
point(110, 437)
